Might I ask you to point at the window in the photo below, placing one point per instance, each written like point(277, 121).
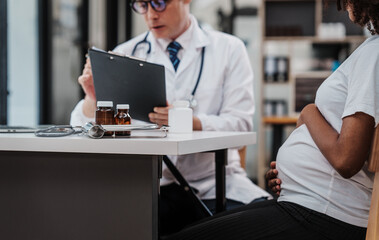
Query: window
point(22, 61)
point(3, 62)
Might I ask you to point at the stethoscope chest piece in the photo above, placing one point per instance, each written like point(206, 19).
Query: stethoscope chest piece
point(93, 130)
point(192, 102)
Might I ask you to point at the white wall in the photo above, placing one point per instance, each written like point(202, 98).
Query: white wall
point(22, 62)
point(139, 25)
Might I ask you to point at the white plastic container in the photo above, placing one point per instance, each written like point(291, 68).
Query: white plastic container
point(180, 117)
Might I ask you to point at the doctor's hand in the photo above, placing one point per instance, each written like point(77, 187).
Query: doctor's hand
point(273, 181)
point(160, 115)
point(86, 81)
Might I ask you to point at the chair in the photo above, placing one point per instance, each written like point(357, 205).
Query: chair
point(184, 184)
point(242, 153)
point(373, 220)
point(187, 188)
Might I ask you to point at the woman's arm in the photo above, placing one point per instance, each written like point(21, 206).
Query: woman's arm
point(346, 151)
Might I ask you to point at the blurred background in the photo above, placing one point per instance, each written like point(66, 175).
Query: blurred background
point(293, 46)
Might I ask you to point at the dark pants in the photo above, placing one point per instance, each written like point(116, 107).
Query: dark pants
point(270, 220)
point(177, 209)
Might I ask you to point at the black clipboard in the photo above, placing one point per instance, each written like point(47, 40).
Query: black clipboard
point(126, 80)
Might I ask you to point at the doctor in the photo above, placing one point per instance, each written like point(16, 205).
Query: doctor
point(212, 68)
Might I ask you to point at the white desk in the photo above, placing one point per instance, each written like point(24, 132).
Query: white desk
point(80, 188)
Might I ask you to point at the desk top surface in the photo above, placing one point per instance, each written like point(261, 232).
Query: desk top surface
point(173, 144)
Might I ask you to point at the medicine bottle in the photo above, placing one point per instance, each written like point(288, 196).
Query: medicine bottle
point(180, 117)
point(122, 118)
point(105, 114)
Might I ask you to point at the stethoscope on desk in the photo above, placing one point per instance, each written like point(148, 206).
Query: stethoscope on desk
point(96, 131)
point(90, 129)
point(192, 101)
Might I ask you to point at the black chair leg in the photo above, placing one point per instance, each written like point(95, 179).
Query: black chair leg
point(184, 184)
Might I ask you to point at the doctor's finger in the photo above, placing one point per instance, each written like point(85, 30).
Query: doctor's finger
point(158, 121)
point(85, 79)
point(87, 71)
point(157, 116)
point(161, 110)
point(88, 62)
point(86, 82)
point(116, 53)
point(87, 65)
point(82, 79)
point(161, 122)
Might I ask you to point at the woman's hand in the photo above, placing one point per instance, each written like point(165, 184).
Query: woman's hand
point(273, 181)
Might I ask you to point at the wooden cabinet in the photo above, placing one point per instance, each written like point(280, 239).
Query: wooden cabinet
point(302, 43)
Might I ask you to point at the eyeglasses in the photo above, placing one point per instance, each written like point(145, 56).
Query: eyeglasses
point(141, 6)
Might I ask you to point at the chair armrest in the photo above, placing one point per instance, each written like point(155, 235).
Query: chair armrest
point(242, 153)
point(373, 161)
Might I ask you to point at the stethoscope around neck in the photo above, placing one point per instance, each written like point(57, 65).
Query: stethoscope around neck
point(192, 101)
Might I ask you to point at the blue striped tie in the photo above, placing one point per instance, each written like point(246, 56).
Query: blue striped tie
point(173, 49)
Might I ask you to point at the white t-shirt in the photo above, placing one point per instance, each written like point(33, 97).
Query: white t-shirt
point(308, 178)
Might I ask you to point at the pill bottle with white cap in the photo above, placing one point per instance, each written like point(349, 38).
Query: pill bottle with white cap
point(180, 117)
point(122, 118)
point(105, 114)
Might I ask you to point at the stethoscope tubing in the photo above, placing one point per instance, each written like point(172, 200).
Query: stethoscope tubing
point(142, 42)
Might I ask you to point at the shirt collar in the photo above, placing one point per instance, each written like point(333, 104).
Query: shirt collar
point(193, 35)
point(184, 39)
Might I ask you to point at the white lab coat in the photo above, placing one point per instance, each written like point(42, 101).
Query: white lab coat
point(224, 103)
